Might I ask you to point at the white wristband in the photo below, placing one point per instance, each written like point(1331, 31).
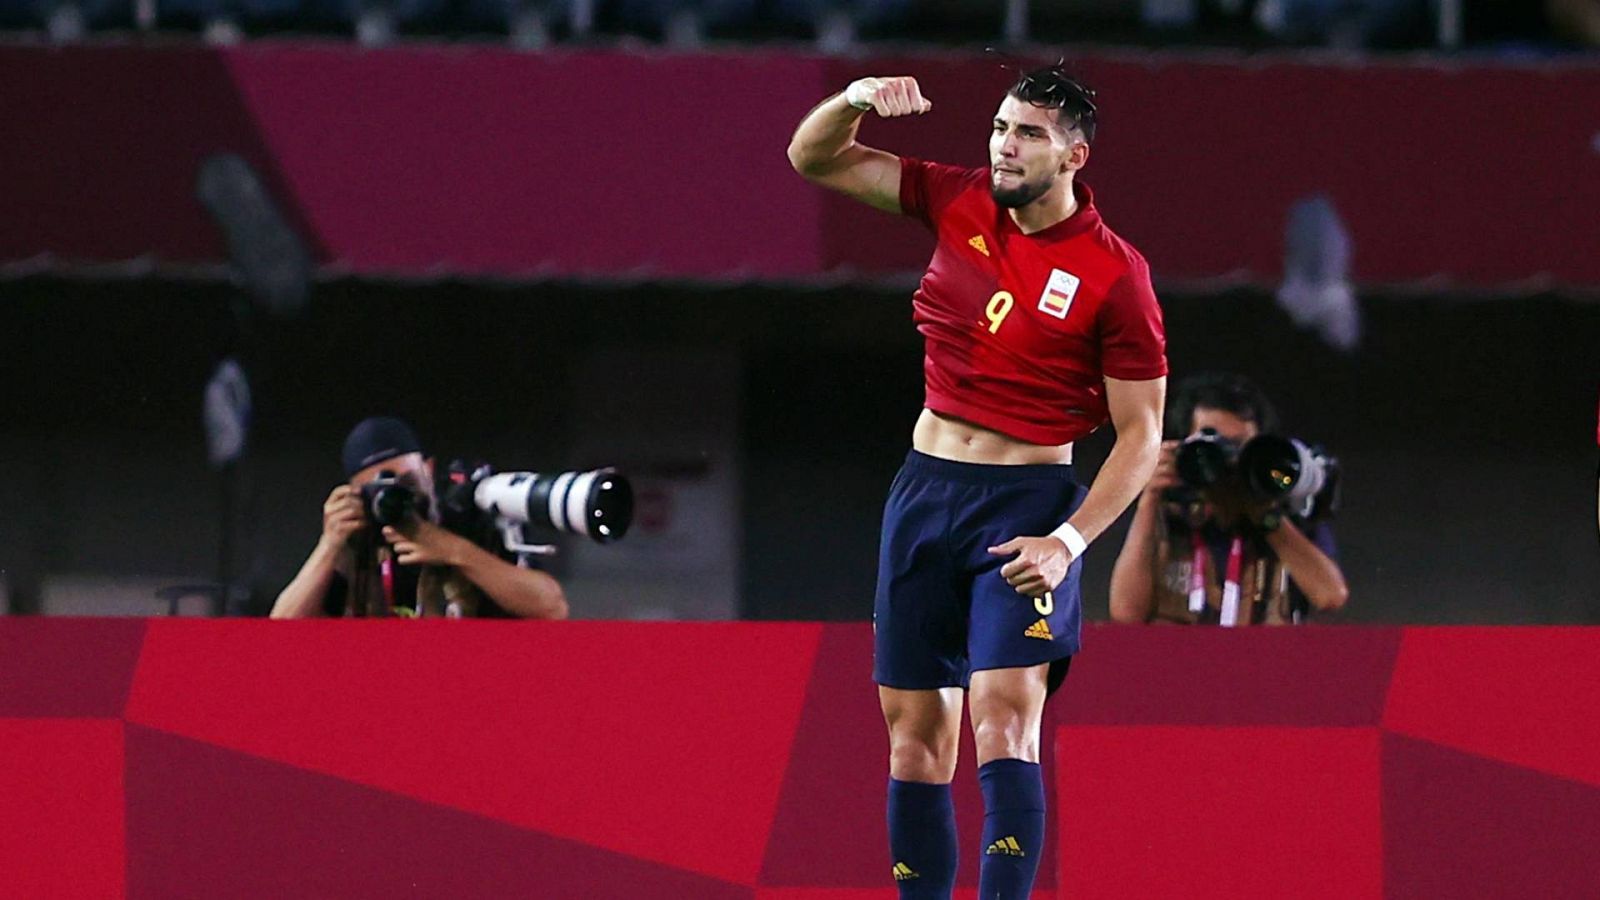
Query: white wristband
point(1070, 536)
point(859, 93)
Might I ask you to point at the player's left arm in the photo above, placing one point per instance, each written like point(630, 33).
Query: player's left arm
point(1041, 562)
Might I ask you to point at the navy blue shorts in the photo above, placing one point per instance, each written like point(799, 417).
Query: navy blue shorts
point(942, 609)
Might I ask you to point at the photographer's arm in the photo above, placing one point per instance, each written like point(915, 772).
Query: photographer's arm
point(1133, 578)
point(527, 593)
point(302, 597)
point(1312, 571)
point(342, 517)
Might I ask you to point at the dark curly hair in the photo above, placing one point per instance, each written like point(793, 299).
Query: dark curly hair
point(1225, 391)
point(1052, 87)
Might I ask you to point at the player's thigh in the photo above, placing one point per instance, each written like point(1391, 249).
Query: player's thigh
point(919, 619)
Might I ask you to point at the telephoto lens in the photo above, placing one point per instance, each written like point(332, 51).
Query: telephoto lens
point(1278, 467)
point(597, 504)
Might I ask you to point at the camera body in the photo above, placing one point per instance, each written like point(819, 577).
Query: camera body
point(1299, 478)
point(389, 501)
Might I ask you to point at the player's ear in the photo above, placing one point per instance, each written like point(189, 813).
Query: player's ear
point(1076, 157)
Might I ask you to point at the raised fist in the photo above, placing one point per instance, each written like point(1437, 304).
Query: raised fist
point(898, 96)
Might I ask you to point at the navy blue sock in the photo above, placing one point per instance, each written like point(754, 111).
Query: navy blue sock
point(1013, 828)
point(922, 839)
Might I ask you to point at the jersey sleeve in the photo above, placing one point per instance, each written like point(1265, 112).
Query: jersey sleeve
point(1133, 340)
point(927, 188)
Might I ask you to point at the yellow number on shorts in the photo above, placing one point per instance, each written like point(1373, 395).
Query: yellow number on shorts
point(999, 307)
point(1045, 605)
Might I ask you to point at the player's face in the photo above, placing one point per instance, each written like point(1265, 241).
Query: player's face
point(1225, 423)
point(1029, 153)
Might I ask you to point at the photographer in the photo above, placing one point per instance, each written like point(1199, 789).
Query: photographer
point(417, 568)
point(1223, 552)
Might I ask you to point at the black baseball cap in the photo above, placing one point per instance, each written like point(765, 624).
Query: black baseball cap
point(375, 440)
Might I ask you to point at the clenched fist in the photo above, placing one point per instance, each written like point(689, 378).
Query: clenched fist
point(898, 96)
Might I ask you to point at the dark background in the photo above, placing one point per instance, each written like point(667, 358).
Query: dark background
point(1466, 425)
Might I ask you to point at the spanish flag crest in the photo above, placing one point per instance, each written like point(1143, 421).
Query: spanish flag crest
point(1058, 293)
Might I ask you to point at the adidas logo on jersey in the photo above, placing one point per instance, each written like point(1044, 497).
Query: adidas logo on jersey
point(902, 872)
point(977, 243)
point(1040, 630)
point(1006, 846)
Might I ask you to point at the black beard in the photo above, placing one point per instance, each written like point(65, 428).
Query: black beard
point(1019, 196)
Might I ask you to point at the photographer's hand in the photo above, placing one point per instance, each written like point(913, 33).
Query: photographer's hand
point(1166, 473)
point(426, 544)
point(1040, 565)
point(342, 516)
point(527, 593)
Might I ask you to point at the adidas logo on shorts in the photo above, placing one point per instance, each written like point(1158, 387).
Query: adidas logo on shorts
point(1040, 630)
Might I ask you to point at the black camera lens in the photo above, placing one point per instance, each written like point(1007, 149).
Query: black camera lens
point(1205, 459)
point(387, 501)
point(1271, 465)
point(1278, 467)
point(610, 507)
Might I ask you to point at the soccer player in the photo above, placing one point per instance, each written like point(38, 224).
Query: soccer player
point(1040, 324)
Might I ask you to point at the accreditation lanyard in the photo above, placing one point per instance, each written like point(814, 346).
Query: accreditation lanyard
point(1230, 585)
point(386, 569)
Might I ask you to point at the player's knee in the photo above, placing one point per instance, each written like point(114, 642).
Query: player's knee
point(1004, 736)
point(926, 758)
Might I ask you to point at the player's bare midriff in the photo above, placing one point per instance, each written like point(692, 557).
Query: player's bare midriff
point(948, 437)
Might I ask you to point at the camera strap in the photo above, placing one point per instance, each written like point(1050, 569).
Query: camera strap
point(1230, 584)
point(1197, 572)
point(386, 570)
point(1230, 587)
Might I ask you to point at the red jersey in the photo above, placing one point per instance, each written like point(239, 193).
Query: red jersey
point(1022, 329)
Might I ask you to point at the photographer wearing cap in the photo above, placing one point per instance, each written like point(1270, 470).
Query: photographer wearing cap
point(414, 567)
point(1233, 527)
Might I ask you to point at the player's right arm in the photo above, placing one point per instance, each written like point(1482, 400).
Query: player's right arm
point(824, 147)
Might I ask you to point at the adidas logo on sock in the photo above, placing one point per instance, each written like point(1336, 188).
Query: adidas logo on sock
point(1006, 846)
point(1040, 630)
point(902, 872)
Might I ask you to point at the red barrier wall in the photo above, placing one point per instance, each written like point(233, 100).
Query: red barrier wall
point(429, 161)
point(251, 759)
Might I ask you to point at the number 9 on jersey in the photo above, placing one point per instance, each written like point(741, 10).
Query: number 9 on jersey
point(999, 307)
